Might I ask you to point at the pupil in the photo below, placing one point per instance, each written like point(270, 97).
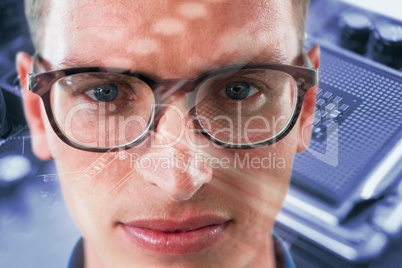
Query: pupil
point(106, 93)
point(237, 90)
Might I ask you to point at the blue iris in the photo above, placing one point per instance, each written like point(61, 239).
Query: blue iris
point(237, 90)
point(106, 93)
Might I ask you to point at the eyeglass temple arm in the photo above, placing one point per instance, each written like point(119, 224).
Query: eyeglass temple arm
point(38, 66)
point(307, 63)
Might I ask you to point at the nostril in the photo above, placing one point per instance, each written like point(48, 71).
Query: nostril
point(176, 174)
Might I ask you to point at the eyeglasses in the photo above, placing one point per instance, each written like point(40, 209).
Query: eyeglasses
point(105, 109)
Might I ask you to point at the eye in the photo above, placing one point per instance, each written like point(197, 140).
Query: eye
point(104, 93)
point(239, 90)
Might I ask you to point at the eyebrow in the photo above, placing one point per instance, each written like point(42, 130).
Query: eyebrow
point(73, 61)
point(274, 57)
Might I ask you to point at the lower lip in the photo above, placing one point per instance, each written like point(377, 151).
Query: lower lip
point(176, 243)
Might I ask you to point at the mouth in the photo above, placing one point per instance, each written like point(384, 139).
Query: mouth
point(176, 238)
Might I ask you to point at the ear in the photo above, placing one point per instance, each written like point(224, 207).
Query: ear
point(307, 112)
point(32, 107)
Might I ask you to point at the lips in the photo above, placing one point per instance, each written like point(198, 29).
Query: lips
point(176, 238)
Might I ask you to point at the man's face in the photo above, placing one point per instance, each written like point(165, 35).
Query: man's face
point(132, 215)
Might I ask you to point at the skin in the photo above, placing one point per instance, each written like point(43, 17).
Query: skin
point(173, 40)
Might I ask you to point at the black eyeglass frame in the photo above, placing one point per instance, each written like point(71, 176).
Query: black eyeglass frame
point(41, 84)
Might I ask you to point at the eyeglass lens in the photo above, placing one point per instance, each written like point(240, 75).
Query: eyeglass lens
point(109, 109)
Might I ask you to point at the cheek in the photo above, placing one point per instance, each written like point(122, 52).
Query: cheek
point(258, 179)
point(256, 188)
point(92, 185)
point(88, 179)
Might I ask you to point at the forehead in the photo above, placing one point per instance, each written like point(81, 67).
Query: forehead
point(191, 36)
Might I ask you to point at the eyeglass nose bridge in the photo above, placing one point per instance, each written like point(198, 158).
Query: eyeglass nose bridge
point(165, 90)
point(169, 87)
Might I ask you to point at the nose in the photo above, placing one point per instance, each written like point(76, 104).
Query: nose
point(174, 165)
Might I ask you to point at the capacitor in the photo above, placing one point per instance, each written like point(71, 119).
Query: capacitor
point(387, 44)
point(356, 29)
